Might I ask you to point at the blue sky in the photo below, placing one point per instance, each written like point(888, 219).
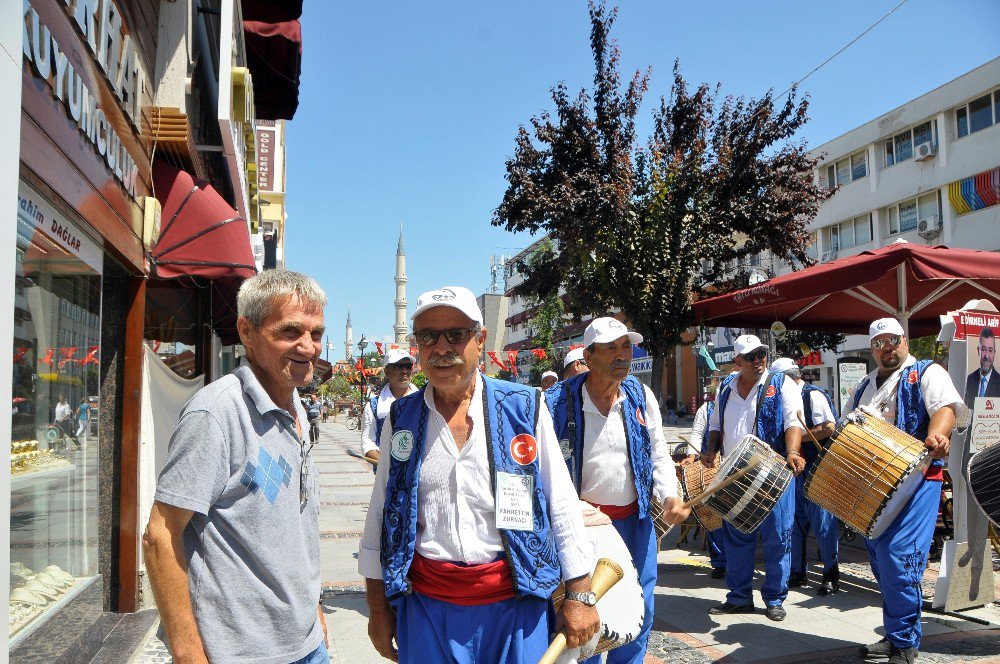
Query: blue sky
point(408, 110)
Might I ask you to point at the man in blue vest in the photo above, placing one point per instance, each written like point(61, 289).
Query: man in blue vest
point(609, 429)
point(473, 520)
point(918, 397)
point(398, 370)
point(765, 405)
point(822, 422)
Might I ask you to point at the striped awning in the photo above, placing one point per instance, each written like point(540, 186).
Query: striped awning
point(976, 192)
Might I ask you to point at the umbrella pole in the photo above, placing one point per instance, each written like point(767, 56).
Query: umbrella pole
point(901, 299)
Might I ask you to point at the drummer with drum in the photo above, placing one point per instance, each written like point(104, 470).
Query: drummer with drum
point(765, 405)
point(473, 521)
point(821, 421)
point(918, 397)
point(609, 429)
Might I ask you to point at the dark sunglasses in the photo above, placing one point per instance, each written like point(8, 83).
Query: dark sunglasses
point(893, 341)
point(758, 354)
point(456, 335)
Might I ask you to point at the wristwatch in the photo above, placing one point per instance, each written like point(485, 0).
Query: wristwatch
point(588, 598)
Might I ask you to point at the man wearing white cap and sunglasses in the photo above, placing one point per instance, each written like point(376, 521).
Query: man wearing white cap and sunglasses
point(398, 367)
point(918, 397)
point(765, 405)
point(473, 520)
point(609, 428)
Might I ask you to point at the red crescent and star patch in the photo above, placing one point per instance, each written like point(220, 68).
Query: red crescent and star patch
point(639, 416)
point(523, 449)
point(771, 391)
point(912, 378)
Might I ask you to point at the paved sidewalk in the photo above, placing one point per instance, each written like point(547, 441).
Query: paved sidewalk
point(818, 629)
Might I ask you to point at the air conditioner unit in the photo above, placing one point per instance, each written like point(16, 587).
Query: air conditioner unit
point(924, 151)
point(928, 227)
point(827, 256)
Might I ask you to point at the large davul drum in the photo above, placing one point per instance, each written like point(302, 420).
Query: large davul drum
point(984, 481)
point(868, 473)
point(746, 502)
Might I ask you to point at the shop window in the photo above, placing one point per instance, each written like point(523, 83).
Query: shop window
point(55, 414)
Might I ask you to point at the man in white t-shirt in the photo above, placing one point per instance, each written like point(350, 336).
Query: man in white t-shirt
point(398, 367)
point(918, 397)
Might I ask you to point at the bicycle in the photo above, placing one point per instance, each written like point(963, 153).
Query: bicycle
point(353, 419)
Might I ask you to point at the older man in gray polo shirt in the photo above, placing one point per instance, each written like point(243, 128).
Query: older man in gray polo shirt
point(232, 545)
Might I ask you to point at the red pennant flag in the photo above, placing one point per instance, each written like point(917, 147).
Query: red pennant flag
point(21, 352)
point(380, 348)
point(48, 357)
point(91, 357)
point(67, 355)
point(512, 361)
point(413, 351)
point(496, 360)
point(539, 353)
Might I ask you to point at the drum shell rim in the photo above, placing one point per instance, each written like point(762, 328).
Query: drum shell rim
point(787, 475)
point(695, 509)
point(888, 498)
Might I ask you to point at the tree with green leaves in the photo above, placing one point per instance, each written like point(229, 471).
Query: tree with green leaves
point(648, 228)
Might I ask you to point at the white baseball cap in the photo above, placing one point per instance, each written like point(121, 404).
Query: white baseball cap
point(572, 356)
point(455, 297)
point(784, 364)
point(550, 373)
point(395, 356)
point(885, 326)
point(606, 329)
point(746, 343)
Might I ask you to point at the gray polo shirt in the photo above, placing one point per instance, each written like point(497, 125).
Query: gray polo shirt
point(252, 545)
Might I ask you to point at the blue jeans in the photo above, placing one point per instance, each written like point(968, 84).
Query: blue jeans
point(318, 656)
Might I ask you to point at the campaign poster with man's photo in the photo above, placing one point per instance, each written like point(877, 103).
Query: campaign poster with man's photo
point(979, 330)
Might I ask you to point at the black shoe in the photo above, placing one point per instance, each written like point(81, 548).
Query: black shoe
point(718, 572)
point(796, 580)
point(726, 609)
point(831, 582)
point(902, 655)
point(878, 650)
point(775, 612)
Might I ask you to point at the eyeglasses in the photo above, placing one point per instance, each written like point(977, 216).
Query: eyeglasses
point(753, 356)
point(893, 341)
point(456, 335)
point(304, 463)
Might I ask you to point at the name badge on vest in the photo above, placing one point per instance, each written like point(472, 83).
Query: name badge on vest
point(514, 507)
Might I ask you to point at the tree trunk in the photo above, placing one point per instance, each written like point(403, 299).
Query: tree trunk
point(656, 379)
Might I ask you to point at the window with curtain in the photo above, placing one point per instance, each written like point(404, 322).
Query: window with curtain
point(927, 205)
point(843, 171)
point(863, 229)
point(859, 165)
point(904, 146)
point(922, 133)
point(893, 218)
point(908, 216)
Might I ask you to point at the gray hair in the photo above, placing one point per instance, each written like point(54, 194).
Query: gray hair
point(259, 293)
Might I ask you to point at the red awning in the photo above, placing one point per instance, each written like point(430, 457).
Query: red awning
point(913, 282)
point(274, 56)
point(200, 234)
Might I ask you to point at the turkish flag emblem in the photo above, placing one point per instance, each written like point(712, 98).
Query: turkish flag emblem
point(912, 378)
point(771, 391)
point(524, 449)
point(639, 416)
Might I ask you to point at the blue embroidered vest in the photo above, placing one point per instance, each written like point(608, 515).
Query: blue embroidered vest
point(510, 410)
point(565, 402)
point(770, 423)
point(809, 451)
point(379, 421)
point(911, 414)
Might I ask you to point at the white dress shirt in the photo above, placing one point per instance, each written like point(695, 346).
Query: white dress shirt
point(607, 477)
point(698, 429)
point(456, 509)
point(821, 411)
point(385, 399)
point(936, 385)
point(740, 412)
point(63, 411)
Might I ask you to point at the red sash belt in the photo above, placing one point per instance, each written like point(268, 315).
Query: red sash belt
point(934, 472)
point(619, 512)
point(468, 585)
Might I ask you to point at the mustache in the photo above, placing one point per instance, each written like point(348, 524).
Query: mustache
point(447, 360)
point(621, 364)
